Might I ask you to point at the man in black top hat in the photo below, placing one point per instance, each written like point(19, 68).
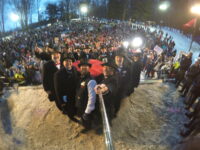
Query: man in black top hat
point(103, 55)
point(124, 77)
point(85, 95)
point(108, 87)
point(49, 69)
point(65, 82)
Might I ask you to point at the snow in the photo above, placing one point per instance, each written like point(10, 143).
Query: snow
point(150, 119)
point(182, 42)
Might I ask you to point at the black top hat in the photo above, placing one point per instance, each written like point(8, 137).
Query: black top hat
point(54, 52)
point(120, 52)
point(110, 64)
point(136, 54)
point(68, 56)
point(84, 63)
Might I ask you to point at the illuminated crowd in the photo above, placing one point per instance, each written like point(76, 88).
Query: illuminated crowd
point(47, 55)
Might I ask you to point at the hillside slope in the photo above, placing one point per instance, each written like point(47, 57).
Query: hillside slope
point(149, 119)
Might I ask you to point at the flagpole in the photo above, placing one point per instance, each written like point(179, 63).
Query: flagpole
point(191, 43)
point(195, 24)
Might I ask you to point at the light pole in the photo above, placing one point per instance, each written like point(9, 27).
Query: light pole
point(195, 9)
point(163, 7)
point(84, 10)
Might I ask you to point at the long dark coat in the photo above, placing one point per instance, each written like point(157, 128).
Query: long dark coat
point(49, 69)
point(65, 83)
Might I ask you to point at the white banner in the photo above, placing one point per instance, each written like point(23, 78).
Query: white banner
point(158, 49)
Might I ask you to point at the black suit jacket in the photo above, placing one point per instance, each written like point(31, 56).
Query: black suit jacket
point(65, 84)
point(49, 69)
point(135, 73)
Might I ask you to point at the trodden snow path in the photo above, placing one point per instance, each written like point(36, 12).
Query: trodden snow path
point(150, 119)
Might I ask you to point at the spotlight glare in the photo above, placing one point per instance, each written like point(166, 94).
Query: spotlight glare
point(137, 42)
point(14, 17)
point(84, 9)
point(126, 44)
point(164, 6)
point(196, 9)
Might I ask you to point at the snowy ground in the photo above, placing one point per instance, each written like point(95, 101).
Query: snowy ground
point(183, 43)
point(150, 119)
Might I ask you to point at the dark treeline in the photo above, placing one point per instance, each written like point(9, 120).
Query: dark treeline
point(175, 16)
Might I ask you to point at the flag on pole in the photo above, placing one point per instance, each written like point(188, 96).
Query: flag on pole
point(191, 23)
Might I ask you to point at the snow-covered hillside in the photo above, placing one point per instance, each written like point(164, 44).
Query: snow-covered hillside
point(150, 119)
point(183, 42)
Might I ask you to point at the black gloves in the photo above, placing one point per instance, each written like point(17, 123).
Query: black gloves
point(86, 117)
point(86, 120)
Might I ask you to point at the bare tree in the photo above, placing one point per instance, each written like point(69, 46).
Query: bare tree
point(23, 7)
point(2, 5)
point(67, 7)
point(38, 9)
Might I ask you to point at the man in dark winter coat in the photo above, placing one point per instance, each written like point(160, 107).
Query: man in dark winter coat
point(65, 82)
point(193, 125)
point(135, 72)
point(124, 77)
point(108, 87)
point(190, 75)
point(184, 66)
point(194, 92)
point(85, 96)
point(49, 69)
point(103, 55)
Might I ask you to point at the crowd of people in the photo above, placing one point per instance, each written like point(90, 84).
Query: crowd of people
point(187, 79)
point(46, 56)
point(75, 92)
point(188, 75)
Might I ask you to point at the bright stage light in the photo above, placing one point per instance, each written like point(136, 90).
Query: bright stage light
point(126, 44)
point(138, 51)
point(14, 17)
point(196, 9)
point(137, 42)
point(84, 9)
point(164, 6)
